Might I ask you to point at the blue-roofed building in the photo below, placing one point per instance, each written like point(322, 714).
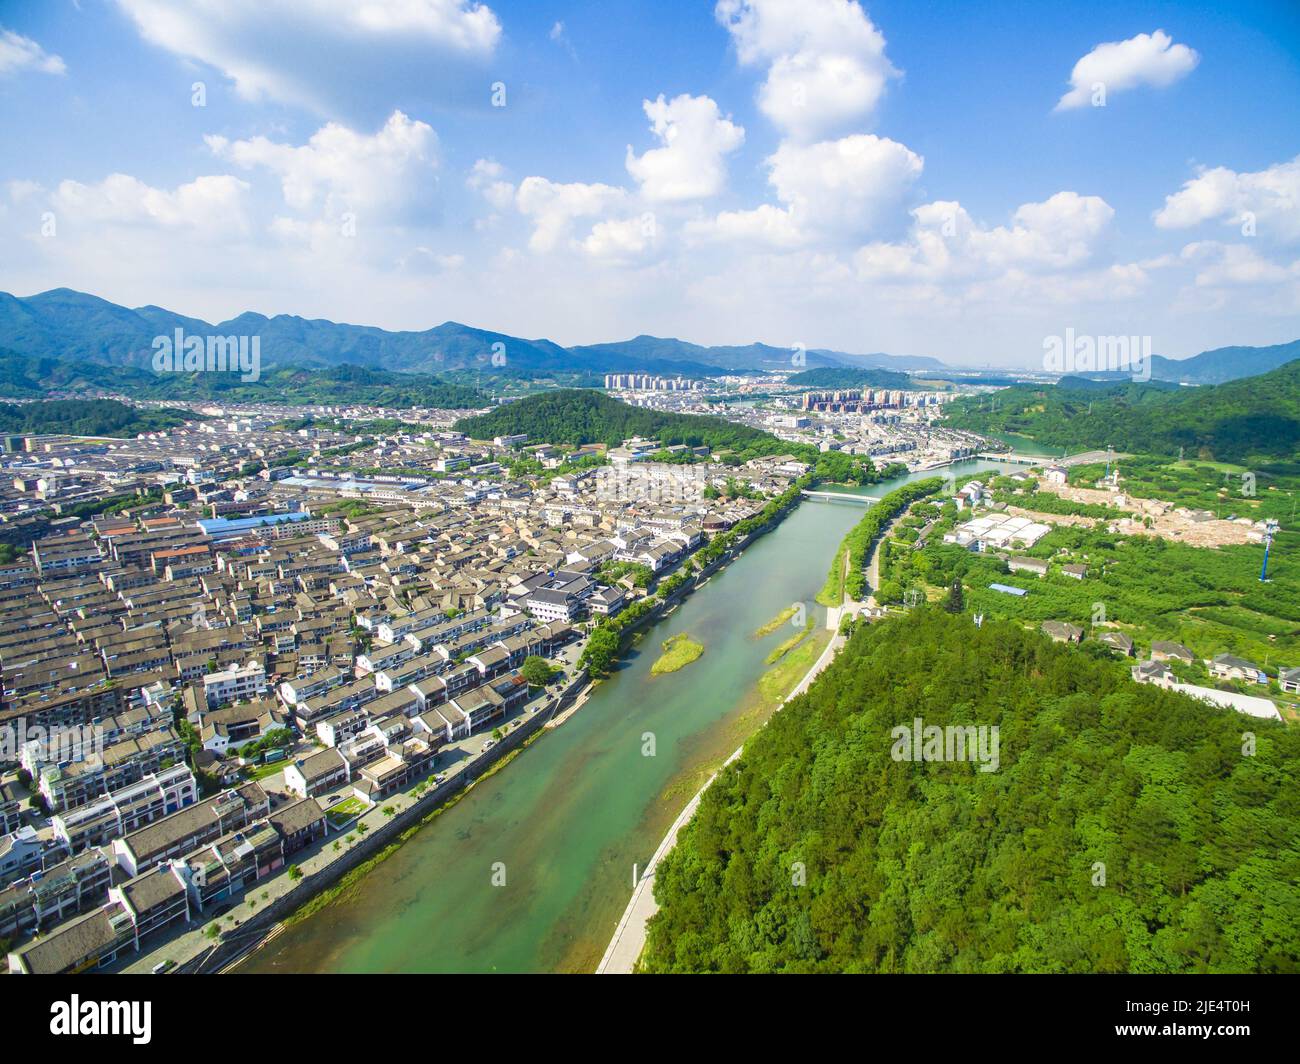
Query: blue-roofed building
point(1007, 589)
point(294, 523)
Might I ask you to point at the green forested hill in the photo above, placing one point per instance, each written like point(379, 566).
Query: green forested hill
point(1255, 417)
point(578, 416)
point(23, 376)
point(836, 377)
point(939, 867)
point(87, 417)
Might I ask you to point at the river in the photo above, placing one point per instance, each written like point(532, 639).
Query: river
point(567, 818)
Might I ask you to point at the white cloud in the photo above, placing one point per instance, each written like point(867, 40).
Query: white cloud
point(1220, 265)
point(554, 207)
point(424, 260)
point(947, 244)
point(837, 190)
point(215, 204)
point(388, 174)
point(765, 224)
point(621, 240)
point(695, 138)
point(826, 60)
point(336, 57)
point(487, 178)
point(1147, 59)
point(560, 37)
point(1267, 201)
point(19, 53)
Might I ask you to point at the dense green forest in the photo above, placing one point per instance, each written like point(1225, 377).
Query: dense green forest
point(314, 384)
point(23, 377)
point(1255, 417)
point(572, 416)
point(834, 377)
point(87, 417)
point(1126, 828)
point(577, 416)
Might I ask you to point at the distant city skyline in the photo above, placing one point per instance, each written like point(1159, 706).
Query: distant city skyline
point(943, 180)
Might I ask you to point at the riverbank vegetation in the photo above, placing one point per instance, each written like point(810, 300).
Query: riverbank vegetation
point(857, 544)
point(1123, 831)
point(606, 639)
point(776, 683)
point(778, 652)
point(776, 621)
point(678, 652)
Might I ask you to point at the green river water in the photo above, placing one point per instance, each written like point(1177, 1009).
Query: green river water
point(570, 814)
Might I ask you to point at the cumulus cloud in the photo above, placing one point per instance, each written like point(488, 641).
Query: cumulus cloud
point(335, 57)
point(826, 65)
point(1235, 265)
point(1147, 59)
point(19, 53)
point(621, 239)
point(214, 204)
point(1265, 201)
point(553, 208)
point(387, 174)
point(487, 177)
point(945, 243)
point(837, 190)
point(695, 137)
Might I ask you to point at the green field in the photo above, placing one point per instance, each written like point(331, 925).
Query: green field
point(1209, 599)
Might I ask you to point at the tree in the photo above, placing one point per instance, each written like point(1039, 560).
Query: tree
point(955, 602)
point(537, 671)
point(949, 866)
point(601, 649)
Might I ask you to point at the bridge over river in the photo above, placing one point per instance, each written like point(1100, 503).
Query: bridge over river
point(837, 496)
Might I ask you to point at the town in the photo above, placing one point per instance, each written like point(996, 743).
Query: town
point(267, 639)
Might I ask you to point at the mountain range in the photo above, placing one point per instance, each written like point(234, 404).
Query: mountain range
point(87, 331)
point(66, 324)
point(1218, 366)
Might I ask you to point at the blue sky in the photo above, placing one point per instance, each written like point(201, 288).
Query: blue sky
point(895, 176)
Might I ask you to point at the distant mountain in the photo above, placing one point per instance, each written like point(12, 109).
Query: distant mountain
point(1224, 364)
point(749, 357)
point(1219, 366)
point(65, 324)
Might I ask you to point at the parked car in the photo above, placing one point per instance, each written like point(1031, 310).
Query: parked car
point(488, 745)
